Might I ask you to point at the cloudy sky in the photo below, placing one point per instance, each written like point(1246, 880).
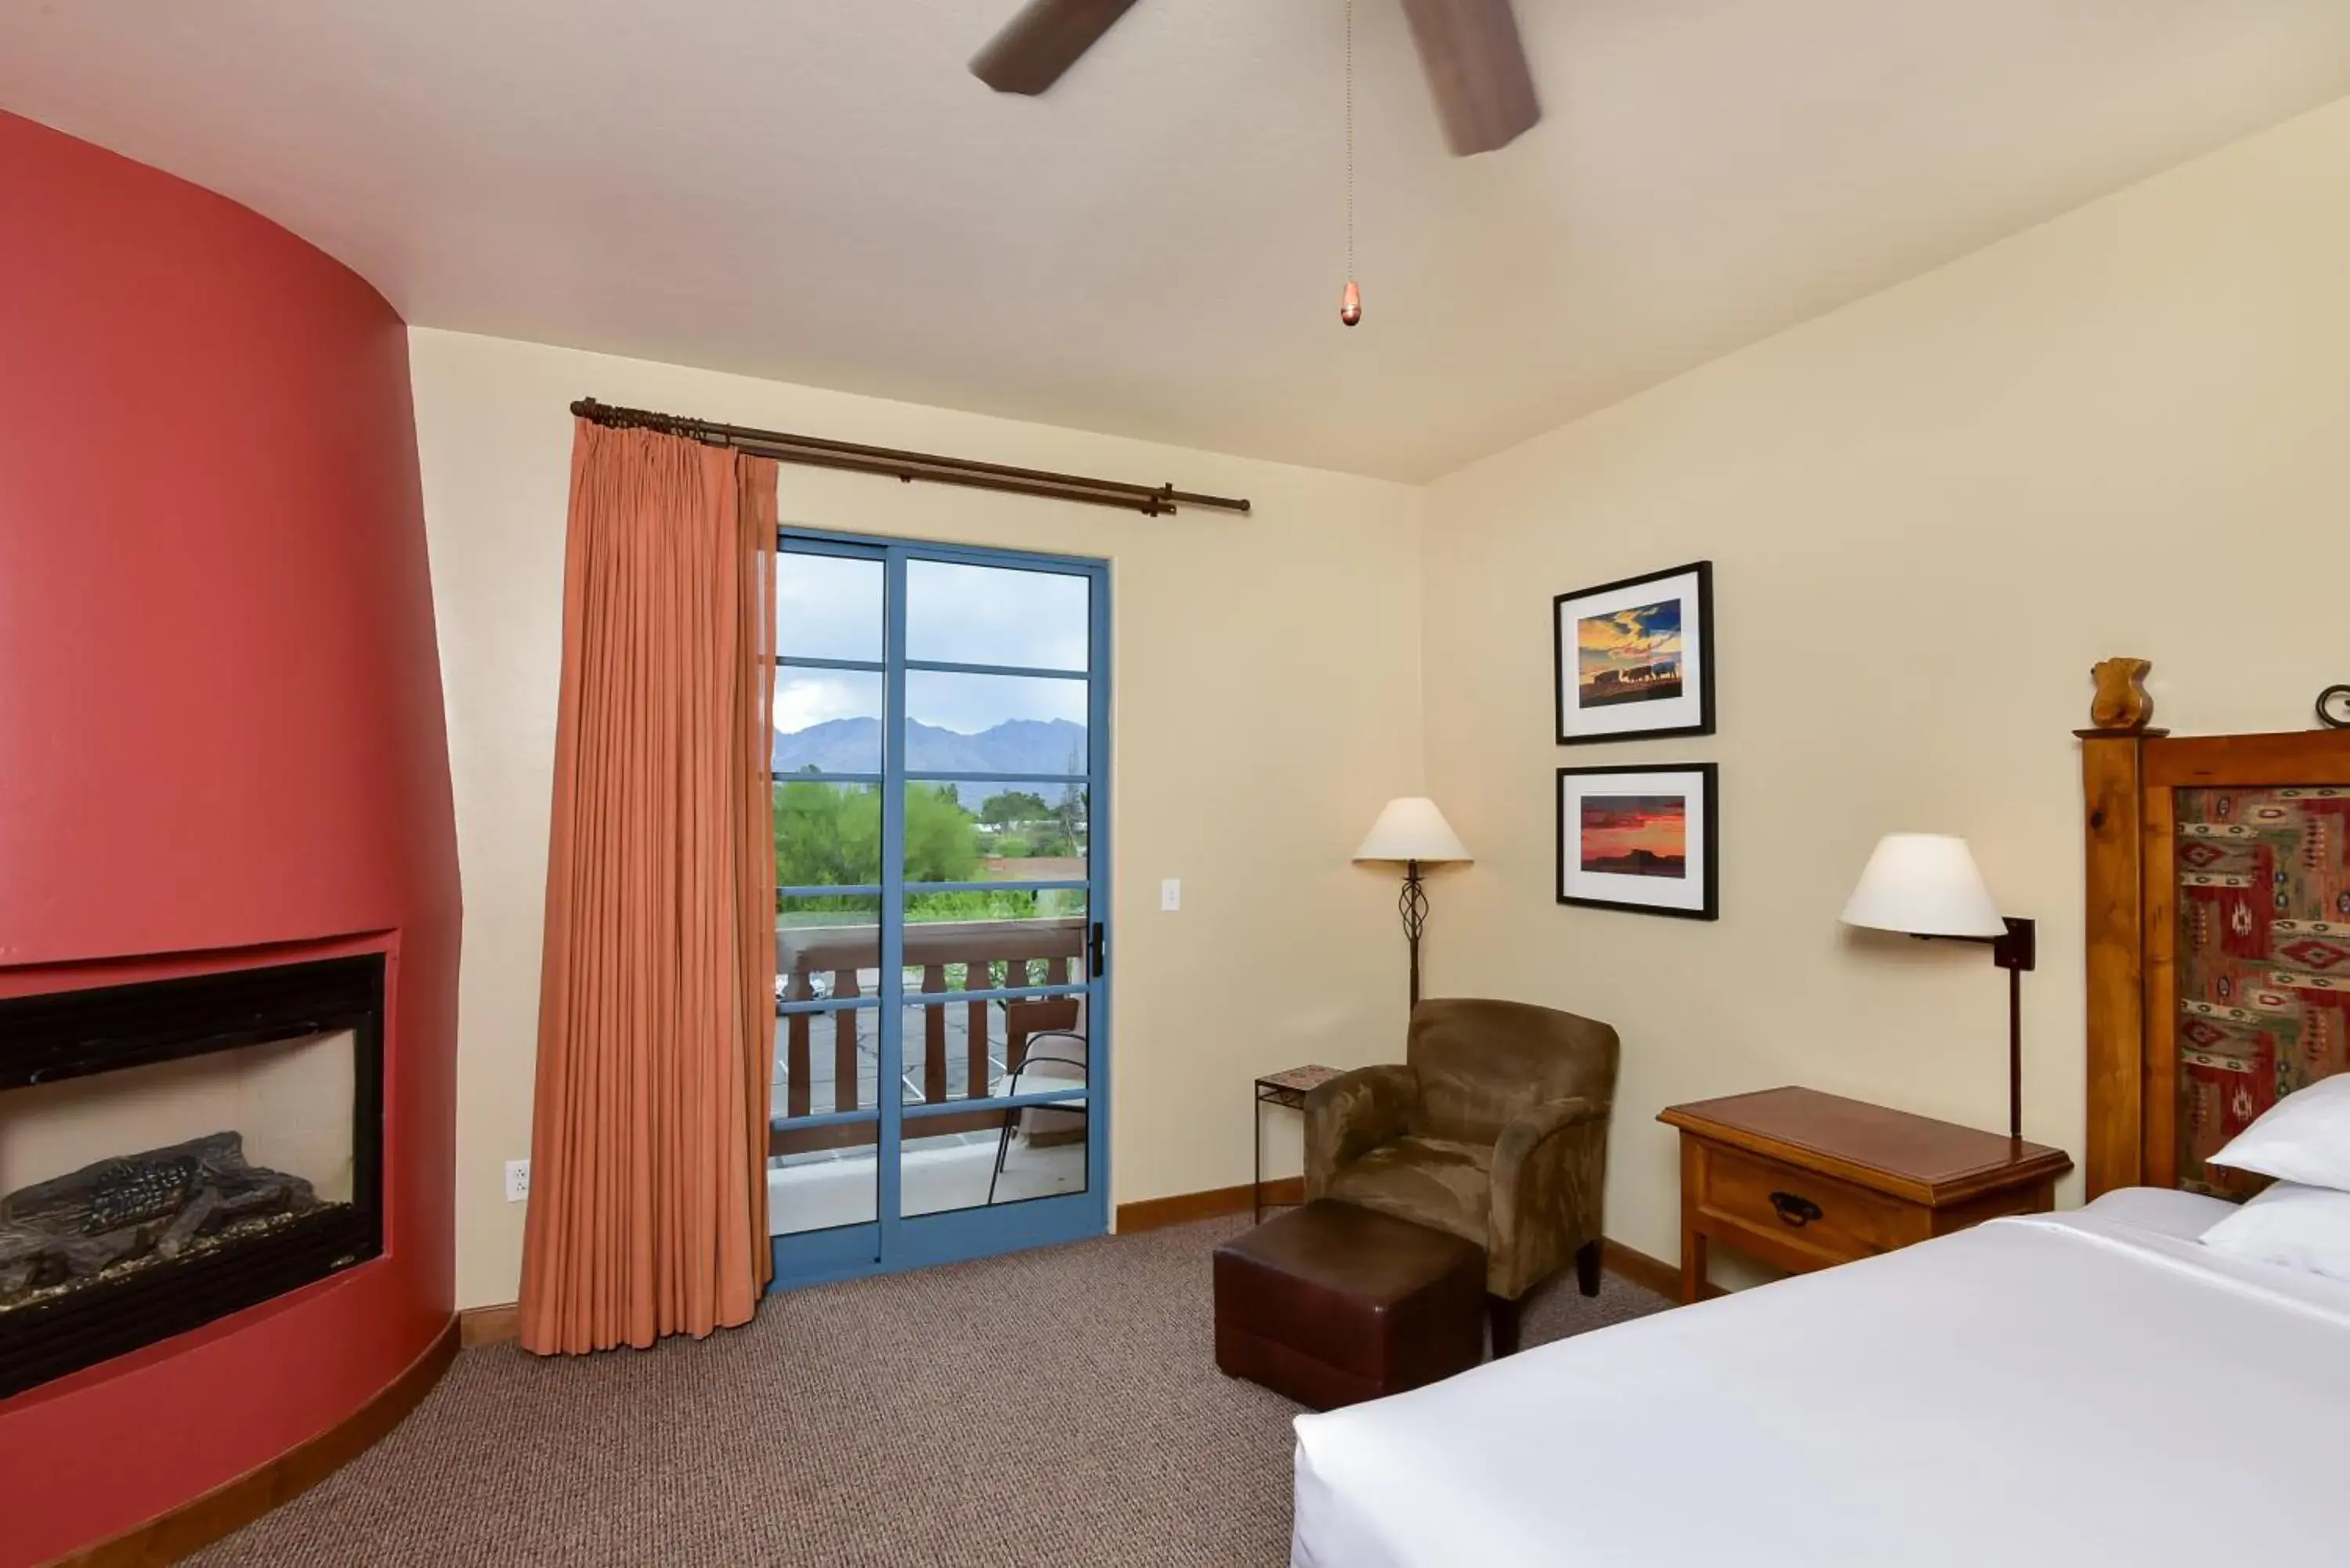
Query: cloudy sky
point(828, 607)
point(1627, 638)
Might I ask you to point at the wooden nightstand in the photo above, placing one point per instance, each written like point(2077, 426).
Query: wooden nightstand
point(1803, 1180)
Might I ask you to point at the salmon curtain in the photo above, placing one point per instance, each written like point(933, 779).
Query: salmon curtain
point(649, 1197)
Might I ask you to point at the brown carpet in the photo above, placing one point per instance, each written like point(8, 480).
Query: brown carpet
point(1059, 1406)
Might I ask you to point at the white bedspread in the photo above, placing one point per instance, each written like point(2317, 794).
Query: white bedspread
point(2066, 1390)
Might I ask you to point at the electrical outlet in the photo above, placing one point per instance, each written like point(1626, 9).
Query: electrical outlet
point(517, 1180)
point(1170, 893)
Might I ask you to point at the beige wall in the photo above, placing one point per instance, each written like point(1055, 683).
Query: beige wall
point(2125, 431)
point(1266, 687)
point(2122, 431)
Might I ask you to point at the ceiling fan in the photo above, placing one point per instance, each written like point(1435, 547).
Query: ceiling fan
point(1470, 49)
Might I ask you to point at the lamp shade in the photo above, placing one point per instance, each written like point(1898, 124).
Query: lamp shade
point(1411, 828)
point(1925, 884)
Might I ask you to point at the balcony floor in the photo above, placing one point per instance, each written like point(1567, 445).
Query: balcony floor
point(818, 1191)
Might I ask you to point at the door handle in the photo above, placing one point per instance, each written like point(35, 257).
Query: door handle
point(1098, 950)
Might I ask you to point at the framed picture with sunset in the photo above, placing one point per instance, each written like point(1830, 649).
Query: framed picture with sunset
point(1641, 838)
point(1634, 659)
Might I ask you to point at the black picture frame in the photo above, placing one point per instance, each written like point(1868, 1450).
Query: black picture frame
point(1707, 814)
point(1567, 692)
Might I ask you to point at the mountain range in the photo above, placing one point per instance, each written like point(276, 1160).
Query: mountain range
point(1014, 746)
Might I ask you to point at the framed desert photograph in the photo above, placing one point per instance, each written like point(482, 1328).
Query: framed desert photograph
point(1641, 838)
point(1635, 658)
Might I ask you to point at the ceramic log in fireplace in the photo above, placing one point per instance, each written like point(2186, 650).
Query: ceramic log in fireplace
point(176, 1150)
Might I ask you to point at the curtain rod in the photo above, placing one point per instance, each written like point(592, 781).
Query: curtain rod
point(908, 466)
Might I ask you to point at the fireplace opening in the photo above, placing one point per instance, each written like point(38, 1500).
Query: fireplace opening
point(172, 1151)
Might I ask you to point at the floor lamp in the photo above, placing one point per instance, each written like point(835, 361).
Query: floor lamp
point(1413, 832)
point(1927, 885)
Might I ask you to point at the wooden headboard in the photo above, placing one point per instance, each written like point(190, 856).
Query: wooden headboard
point(2218, 932)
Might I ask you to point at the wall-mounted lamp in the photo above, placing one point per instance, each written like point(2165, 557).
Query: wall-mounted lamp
point(1927, 885)
point(1413, 831)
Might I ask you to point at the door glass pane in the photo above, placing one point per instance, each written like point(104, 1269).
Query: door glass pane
point(992, 941)
point(827, 918)
point(826, 721)
point(827, 607)
point(958, 613)
point(957, 1050)
point(826, 1061)
point(951, 1051)
point(819, 1178)
point(1004, 1157)
point(827, 835)
point(828, 949)
point(1013, 833)
point(990, 726)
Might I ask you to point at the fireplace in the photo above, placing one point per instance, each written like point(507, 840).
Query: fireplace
point(175, 1150)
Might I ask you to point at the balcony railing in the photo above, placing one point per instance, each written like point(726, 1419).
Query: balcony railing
point(842, 963)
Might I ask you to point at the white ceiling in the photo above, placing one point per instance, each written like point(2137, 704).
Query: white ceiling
point(817, 190)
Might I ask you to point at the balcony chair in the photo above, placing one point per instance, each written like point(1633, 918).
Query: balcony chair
point(1042, 1054)
point(1493, 1128)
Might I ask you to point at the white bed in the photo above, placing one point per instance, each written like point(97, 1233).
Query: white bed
point(2066, 1389)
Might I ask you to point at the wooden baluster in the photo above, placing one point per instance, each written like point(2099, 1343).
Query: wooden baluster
point(844, 1042)
point(976, 978)
point(796, 1055)
point(935, 1034)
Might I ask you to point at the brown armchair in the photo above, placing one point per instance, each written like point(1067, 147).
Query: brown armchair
point(1494, 1129)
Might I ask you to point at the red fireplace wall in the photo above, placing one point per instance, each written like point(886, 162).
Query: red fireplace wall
point(220, 728)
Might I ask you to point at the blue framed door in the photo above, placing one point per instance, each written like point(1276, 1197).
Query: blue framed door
point(940, 771)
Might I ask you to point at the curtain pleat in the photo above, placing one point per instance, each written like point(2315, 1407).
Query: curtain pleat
point(648, 1211)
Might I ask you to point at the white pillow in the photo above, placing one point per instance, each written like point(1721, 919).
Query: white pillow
point(2304, 1137)
point(2304, 1228)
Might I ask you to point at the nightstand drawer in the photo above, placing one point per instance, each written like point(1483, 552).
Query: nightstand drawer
point(1816, 1216)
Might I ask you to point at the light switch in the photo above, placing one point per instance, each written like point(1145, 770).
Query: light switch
point(1170, 893)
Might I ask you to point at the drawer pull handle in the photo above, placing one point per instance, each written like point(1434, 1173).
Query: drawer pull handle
point(1794, 1210)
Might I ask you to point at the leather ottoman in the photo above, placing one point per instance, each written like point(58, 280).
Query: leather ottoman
point(1331, 1304)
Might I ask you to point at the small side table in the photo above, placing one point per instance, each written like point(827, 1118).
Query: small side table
point(1807, 1180)
point(1287, 1087)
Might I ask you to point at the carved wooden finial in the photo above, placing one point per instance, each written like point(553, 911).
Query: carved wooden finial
point(2121, 703)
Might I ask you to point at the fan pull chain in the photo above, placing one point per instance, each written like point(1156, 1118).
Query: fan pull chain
point(1350, 298)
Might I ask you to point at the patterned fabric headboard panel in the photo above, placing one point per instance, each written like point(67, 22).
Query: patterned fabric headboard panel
point(2264, 961)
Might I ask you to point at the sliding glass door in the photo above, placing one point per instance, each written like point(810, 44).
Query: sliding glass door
point(940, 763)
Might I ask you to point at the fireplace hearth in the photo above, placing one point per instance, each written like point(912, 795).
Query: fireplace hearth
point(173, 1151)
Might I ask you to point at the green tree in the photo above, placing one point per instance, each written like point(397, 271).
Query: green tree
point(1013, 806)
point(827, 836)
point(941, 838)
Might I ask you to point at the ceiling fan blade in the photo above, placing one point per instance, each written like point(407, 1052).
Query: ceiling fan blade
point(1044, 40)
point(1476, 69)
